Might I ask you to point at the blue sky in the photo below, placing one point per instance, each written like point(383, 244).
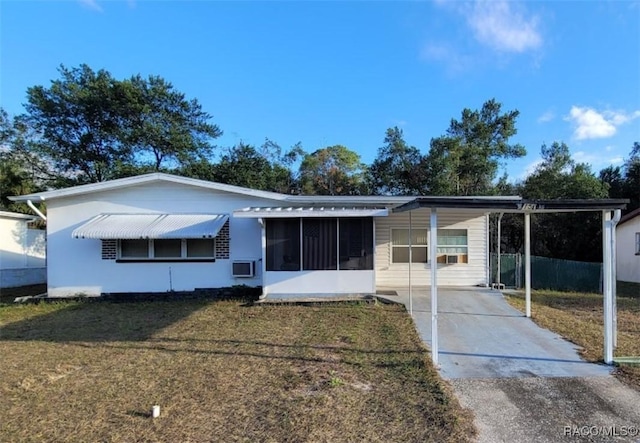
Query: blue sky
point(325, 73)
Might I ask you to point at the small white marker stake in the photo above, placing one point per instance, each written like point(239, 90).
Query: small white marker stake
point(155, 411)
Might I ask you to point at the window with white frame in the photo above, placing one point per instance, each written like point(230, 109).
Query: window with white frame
point(400, 245)
point(453, 246)
point(167, 249)
point(637, 243)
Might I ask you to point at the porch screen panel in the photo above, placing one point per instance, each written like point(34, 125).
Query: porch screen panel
point(283, 244)
point(356, 244)
point(319, 246)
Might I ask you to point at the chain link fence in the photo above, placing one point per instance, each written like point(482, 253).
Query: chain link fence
point(548, 273)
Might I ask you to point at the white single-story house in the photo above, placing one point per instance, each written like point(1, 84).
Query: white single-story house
point(22, 251)
point(160, 232)
point(628, 247)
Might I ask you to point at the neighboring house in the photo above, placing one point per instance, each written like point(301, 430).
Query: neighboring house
point(22, 251)
point(160, 232)
point(628, 247)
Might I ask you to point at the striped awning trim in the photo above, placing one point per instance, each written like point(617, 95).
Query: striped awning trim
point(135, 226)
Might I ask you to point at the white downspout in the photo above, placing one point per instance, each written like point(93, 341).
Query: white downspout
point(614, 276)
point(433, 252)
point(607, 287)
point(263, 248)
point(36, 210)
point(488, 254)
point(527, 263)
point(499, 276)
point(410, 265)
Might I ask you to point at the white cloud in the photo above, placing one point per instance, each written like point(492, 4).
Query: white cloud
point(91, 4)
point(546, 117)
point(590, 123)
point(618, 160)
point(454, 60)
point(499, 25)
point(530, 169)
point(596, 160)
point(504, 26)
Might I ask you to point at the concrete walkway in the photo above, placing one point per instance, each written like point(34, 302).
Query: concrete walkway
point(523, 383)
point(482, 336)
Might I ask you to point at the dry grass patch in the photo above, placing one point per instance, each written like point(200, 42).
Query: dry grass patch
point(220, 372)
point(579, 318)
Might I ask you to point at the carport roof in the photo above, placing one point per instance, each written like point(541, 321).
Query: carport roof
point(514, 204)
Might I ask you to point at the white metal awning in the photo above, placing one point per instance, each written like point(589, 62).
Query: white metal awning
point(310, 211)
point(134, 226)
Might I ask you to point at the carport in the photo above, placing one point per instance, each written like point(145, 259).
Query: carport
point(609, 208)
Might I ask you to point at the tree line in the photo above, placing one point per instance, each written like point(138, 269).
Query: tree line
point(88, 126)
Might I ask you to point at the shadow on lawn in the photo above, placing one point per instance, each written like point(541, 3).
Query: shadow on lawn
point(387, 358)
point(116, 325)
point(583, 302)
point(100, 321)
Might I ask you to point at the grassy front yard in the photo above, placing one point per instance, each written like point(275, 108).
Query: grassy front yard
point(579, 318)
point(220, 371)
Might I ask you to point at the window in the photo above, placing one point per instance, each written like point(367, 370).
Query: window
point(319, 244)
point(167, 249)
point(452, 246)
point(134, 248)
point(200, 248)
point(637, 243)
point(356, 244)
point(400, 245)
point(283, 244)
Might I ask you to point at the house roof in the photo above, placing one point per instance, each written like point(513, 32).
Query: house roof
point(403, 203)
point(513, 204)
point(154, 226)
point(17, 216)
point(630, 216)
point(142, 179)
point(158, 176)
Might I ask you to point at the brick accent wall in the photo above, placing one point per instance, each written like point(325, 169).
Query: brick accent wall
point(109, 249)
point(222, 243)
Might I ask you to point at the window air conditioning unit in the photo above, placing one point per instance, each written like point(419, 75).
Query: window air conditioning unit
point(452, 259)
point(244, 268)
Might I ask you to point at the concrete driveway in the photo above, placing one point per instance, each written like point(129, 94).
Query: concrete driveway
point(524, 383)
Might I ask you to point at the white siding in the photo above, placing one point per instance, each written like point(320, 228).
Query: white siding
point(13, 237)
point(76, 266)
point(20, 247)
point(627, 262)
point(277, 284)
point(461, 274)
point(22, 254)
point(36, 248)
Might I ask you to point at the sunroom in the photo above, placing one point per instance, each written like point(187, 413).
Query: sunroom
point(316, 250)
